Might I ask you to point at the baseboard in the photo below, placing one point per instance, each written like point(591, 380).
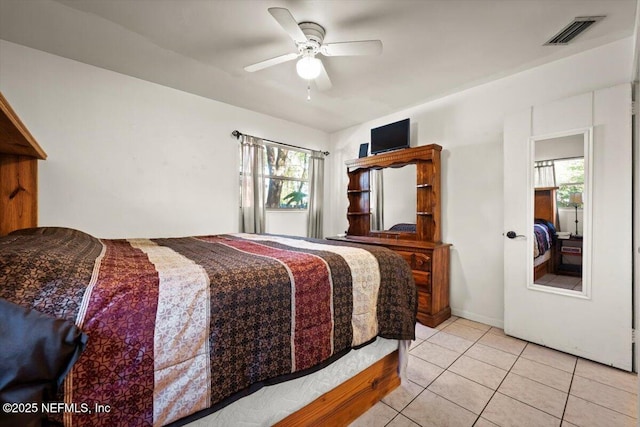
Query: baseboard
point(498, 323)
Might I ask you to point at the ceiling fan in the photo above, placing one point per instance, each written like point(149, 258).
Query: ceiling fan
point(309, 37)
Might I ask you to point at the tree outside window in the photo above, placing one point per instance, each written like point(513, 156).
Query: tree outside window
point(286, 178)
point(569, 179)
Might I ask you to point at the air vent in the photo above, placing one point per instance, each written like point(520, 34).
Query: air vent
point(574, 29)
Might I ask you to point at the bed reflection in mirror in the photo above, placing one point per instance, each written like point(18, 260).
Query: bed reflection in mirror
point(393, 202)
point(559, 212)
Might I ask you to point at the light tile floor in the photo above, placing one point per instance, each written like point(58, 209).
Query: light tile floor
point(560, 281)
point(465, 373)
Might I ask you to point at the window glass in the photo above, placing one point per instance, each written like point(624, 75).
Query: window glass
point(286, 178)
point(569, 179)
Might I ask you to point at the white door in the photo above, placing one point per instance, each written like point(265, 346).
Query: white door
point(594, 319)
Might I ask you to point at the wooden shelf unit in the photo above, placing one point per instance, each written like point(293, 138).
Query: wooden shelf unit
point(359, 211)
point(19, 154)
point(423, 250)
point(427, 161)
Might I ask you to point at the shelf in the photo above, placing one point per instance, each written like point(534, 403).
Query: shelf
point(578, 254)
point(427, 191)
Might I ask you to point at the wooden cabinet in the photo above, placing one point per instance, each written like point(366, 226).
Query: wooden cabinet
point(423, 250)
point(569, 256)
point(19, 154)
point(430, 266)
point(429, 263)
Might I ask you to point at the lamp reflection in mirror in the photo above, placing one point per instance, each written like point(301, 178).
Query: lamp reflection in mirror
point(576, 200)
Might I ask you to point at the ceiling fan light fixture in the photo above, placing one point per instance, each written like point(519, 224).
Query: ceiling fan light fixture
point(309, 67)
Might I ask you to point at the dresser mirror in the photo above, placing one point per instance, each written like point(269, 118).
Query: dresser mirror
point(561, 213)
point(393, 198)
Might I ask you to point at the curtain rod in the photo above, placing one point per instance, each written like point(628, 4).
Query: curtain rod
point(238, 134)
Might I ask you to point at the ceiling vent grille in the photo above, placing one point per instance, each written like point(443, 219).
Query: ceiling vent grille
point(574, 29)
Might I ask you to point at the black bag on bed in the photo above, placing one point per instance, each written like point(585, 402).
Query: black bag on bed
point(36, 353)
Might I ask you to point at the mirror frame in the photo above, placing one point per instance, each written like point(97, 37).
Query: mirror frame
point(587, 214)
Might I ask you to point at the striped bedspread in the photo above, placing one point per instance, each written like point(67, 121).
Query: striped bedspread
point(543, 238)
point(179, 325)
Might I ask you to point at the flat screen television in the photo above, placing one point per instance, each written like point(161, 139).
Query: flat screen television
point(390, 137)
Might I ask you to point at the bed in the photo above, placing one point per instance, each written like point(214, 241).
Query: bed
point(178, 326)
point(544, 231)
point(110, 346)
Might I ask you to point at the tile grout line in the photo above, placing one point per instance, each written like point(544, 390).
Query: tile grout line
point(602, 406)
point(509, 371)
point(440, 374)
point(601, 383)
point(546, 385)
point(478, 416)
point(566, 403)
point(518, 356)
point(496, 390)
point(423, 388)
point(434, 380)
point(525, 403)
point(568, 393)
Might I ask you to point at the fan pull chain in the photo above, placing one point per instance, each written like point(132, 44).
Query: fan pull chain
point(308, 91)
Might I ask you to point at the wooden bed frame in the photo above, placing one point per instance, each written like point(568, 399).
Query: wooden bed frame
point(19, 155)
point(545, 207)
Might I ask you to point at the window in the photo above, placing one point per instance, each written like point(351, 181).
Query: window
point(286, 178)
point(569, 179)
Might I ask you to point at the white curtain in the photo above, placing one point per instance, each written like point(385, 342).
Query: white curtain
point(545, 174)
point(252, 212)
point(316, 194)
point(377, 193)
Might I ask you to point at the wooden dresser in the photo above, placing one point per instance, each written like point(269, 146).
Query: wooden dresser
point(423, 250)
point(430, 265)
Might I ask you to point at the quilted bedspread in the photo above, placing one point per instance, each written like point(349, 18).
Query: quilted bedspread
point(178, 325)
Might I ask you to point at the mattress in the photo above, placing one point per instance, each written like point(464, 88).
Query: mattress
point(541, 259)
point(273, 403)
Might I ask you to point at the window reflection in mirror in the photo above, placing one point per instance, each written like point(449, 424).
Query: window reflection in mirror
point(559, 180)
point(393, 198)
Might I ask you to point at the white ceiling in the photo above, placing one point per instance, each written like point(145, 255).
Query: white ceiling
point(431, 47)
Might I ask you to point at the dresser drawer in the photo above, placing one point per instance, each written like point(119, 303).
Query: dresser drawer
point(417, 260)
point(424, 301)
point(422, 279)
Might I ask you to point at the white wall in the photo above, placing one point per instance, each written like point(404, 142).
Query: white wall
point(559, 148)
point(469, 126)
point(292, 223)
point(131, 158)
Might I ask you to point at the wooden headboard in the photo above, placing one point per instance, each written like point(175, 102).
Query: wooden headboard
point(545, 205)
point(19, 154)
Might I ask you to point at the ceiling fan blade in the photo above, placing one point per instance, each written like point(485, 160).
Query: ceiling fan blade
point(270, 62)
point(365, 47)
point(288, 22)
point(322, 81)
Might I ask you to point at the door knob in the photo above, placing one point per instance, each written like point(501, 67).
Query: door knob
point(513, 235)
